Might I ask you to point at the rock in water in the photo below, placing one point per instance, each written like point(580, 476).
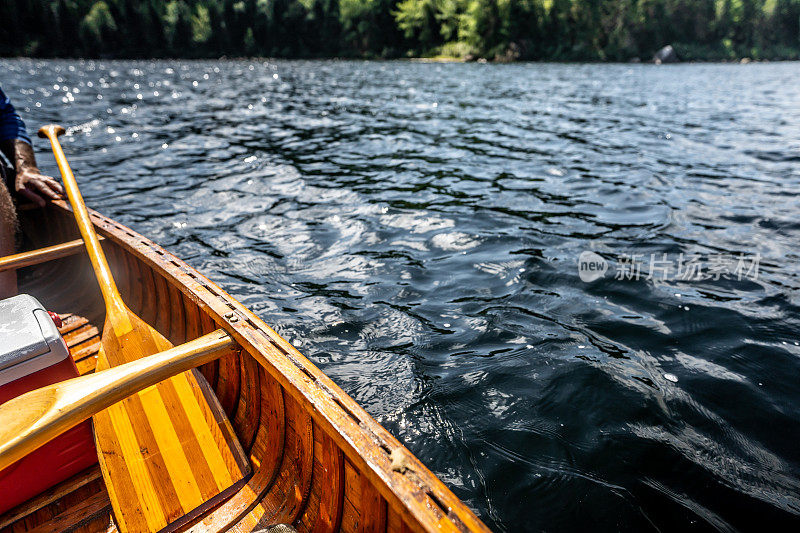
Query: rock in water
point(512, 53)
point(665, 55)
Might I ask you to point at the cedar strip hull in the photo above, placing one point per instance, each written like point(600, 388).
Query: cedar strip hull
point(320, 462)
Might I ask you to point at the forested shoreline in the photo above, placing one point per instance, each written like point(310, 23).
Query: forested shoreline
point(560, 30)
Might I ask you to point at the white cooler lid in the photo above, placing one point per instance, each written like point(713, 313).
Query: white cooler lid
point(29, 340)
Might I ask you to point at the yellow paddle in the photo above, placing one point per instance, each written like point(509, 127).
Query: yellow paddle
point(166, 453)
point(35, 418)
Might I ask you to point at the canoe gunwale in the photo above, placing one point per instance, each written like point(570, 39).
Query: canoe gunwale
point(409, 488)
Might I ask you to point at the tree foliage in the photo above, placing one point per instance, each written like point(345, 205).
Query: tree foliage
point(527, 29)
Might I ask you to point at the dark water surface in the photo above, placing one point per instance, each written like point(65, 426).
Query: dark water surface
point(414, 229)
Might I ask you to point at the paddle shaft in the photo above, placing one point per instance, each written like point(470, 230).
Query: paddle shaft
point(115, 308)
point(42, 255)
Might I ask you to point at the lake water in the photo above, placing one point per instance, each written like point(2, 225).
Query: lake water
point(415, 230)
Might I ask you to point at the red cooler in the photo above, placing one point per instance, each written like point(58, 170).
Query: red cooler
point(33, 354)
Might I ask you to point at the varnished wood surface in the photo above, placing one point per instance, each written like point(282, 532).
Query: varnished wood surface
point(167, 453)
point(38, 416)
point(35, 257)
point(54, 494)
point(64, 500)
point(81, 514)
point(318, 459)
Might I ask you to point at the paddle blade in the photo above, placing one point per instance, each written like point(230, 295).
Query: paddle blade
point(168, 452)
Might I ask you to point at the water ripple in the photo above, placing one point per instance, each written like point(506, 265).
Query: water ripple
point(414, 229)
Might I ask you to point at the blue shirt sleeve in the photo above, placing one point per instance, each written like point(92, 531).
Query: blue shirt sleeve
point(11, 125)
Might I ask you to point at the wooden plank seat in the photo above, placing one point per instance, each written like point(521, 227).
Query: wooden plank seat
point(61, 508)
point(83, 513)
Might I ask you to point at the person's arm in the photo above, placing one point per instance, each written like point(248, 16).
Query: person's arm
point(16, 145)
point(29, 182)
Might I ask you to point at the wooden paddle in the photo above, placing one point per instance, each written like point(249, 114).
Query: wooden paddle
point(36, 417)
point(167, 453)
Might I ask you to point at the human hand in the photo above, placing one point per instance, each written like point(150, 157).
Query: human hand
point(37, 187)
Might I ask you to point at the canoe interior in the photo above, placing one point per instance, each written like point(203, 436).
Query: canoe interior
point(320, 463)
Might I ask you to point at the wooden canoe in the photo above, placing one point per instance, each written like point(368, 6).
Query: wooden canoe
point(319, 462)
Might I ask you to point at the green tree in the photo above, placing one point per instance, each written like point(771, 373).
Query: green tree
point(98, 26)
point(535, 29)
point(201, 24)
point(419, 22)
point(178, 25)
